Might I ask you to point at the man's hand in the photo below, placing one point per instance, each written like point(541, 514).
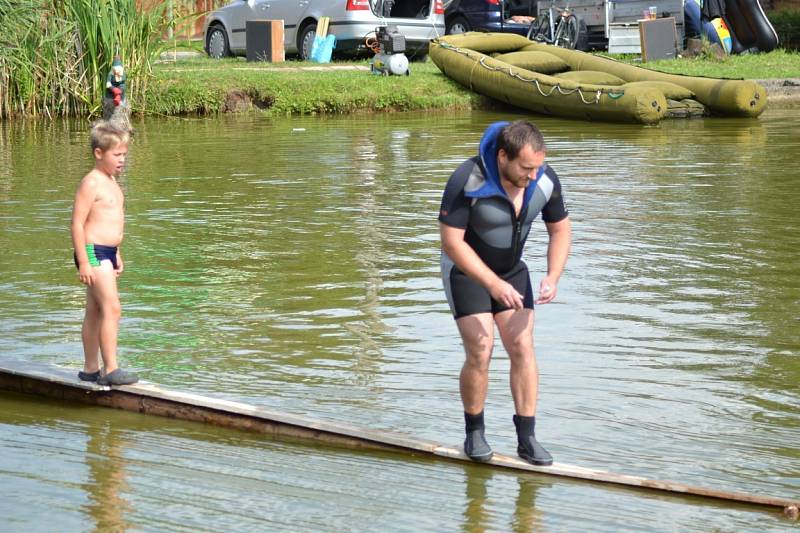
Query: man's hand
point(120, 266)
point(506, 294)
point(547, 291)
point(86, 274)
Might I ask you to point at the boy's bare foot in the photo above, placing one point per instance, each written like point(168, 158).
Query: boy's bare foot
point(118, 377)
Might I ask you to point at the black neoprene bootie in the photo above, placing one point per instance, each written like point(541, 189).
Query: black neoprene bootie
point(527, 446)
point(475, 445)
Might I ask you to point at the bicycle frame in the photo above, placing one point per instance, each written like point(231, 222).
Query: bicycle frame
point(555, 26)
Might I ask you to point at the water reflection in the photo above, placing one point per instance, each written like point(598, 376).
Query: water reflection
point(482, 509)
point(107, 483)
point(476, 512)
point(527, 517)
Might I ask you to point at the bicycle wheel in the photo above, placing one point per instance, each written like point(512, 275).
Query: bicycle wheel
point(540, 29)
point(567, 33)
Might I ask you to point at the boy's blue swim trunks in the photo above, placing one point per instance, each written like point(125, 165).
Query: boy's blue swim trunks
point(98, 253)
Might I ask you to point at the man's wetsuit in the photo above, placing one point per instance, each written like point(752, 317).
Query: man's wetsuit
point(475, 200)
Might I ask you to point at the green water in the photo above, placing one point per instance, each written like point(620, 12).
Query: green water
point(294, 264)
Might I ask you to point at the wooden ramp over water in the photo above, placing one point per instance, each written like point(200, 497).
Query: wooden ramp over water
point(61, 383)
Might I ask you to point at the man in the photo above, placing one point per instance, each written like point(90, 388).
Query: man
point(487, 209)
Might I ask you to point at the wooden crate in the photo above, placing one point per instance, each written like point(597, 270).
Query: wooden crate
point(659, 39)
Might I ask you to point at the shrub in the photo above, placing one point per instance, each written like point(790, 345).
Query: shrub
point(787, 26)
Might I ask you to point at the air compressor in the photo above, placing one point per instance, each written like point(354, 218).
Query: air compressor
point(391, 57)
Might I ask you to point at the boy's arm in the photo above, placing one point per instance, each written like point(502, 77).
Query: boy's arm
point(84, 198)
point(120, 264)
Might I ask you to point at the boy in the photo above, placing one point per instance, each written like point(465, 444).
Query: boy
point(97, 226)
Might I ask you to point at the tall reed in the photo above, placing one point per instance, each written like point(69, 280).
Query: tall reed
point(55, 54)
point(106, 28)
point(38, 72)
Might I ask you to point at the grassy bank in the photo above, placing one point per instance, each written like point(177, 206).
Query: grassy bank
point(775, 64)
point(203, 86)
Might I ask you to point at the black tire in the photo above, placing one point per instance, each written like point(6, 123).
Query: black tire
point(217, 45)
point(305, 41)
point(417, 55)
point(459, 24)
point(567, 33)
point(540, 29)
point(583, 36)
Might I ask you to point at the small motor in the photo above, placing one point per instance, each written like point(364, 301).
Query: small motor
point(391, 57)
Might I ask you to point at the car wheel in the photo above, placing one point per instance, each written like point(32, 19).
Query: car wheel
point(458, 25)
point(217, 43)
point(305, 41)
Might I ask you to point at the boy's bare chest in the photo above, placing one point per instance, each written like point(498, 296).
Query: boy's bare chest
point(109, 197)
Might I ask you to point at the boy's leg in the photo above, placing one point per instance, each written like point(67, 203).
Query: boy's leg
point(90, 334)
point(104, 293)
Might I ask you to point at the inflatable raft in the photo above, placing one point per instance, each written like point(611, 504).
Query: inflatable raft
point(569, 83)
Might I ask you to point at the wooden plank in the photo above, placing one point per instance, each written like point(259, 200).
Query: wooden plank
point(148, 398)
point(264, 40)
point(322, 26)
point(277, 50)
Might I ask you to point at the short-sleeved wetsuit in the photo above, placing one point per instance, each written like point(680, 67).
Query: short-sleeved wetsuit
point(475, 200)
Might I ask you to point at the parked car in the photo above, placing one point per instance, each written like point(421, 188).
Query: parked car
point(489, 15)
point(351, 21)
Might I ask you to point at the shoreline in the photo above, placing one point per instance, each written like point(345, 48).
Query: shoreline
point(782, 93)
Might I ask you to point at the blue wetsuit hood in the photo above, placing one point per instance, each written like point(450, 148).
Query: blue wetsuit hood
point(488, 155)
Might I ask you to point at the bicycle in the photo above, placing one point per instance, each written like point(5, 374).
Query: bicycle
point(559, 27)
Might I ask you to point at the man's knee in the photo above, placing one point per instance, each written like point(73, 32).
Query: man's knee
point(479, 360)
point(520, 349)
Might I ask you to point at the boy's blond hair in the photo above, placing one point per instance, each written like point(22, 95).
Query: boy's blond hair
point(105, 135)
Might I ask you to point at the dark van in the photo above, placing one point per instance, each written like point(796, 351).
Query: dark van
point(489, 15)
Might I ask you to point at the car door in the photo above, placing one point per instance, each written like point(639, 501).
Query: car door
point(287, 10)
point(238, 14)
point(290, 11)
point(417, 20)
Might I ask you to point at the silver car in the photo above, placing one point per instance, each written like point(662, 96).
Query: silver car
point(351, 21)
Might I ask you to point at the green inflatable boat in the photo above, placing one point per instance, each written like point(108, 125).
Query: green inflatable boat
point(570, 83)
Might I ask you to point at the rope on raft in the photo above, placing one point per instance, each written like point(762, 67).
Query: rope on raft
point(557, 87)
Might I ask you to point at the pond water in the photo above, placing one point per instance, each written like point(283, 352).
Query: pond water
point(294, 264)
